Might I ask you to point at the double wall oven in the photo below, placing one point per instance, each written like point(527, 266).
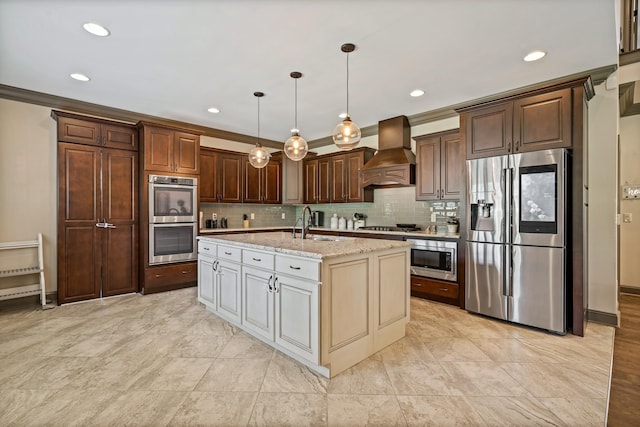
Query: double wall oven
point(173, 222)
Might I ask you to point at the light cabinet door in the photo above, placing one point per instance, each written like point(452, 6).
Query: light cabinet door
point(206, 281)
point(228, 290)
point(296, 312)
point(257, 301)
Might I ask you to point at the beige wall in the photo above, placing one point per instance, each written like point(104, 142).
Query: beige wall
point(28, 178)
point(630, 172)
point(603, 184)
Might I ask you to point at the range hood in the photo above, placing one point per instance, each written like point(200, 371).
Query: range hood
point(394, 164)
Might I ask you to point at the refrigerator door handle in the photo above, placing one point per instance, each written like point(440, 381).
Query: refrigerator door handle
point(506, 276)
point(508, 201)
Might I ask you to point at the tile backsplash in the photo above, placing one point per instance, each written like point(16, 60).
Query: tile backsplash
point(391, 206)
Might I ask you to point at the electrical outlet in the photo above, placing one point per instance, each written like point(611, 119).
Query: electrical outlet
point(214, 216)
point(626, 217)
point(253, 216)
point(284, 216)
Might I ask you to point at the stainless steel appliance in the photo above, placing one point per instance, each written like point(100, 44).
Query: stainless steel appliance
point(359, 220)
point(172, 199)
point(516, 244)
point(173, 223)
point(172, 242)
point(317, 218)
point(436, 259)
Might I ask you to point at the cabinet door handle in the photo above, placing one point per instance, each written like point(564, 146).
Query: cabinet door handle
point(159, 275)
point(227, 253)
point(442, 193)
point(275, 285)
point(186, 271)
point(257, 259)
point(518, 145)
point(269, 283)
point(444, 289)
point(294, 268)
point(509, 147)
point(417, 284)
point(438, 194)
point(205, 249)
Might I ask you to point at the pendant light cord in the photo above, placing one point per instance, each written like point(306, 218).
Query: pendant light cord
point(296, 104)
point(258, 140)
point(347, 85)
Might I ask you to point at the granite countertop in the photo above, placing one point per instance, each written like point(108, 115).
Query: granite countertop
point(282, 242)
point(411, 234)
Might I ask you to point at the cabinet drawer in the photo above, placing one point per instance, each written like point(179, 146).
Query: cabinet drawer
point(258, 259)
point(171, 274)
point(231, 253)
point(207, 248)
point(299, 267)
point(434, 287)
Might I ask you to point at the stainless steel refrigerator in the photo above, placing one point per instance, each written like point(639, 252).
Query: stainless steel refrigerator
point(516, 238)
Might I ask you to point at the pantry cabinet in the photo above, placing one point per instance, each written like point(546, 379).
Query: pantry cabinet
point(168, 149)
point(439, 166)
point(529, 123)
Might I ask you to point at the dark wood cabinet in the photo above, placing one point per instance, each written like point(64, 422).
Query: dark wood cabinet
point(220, 176)
point(310, 169)
point(335, 178)
point(439, 166)
point(435, 290)
point(529, 123)
point(96, 186)
point(263, 185)
point(103, 133)
point(292, 181)
point(170, 150)
point(166, 277)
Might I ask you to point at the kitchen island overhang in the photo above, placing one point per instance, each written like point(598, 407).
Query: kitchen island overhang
point(328, 303)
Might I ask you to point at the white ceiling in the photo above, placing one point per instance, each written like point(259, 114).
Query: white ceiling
point(174, 59)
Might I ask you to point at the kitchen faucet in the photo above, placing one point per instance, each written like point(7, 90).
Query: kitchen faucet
point(305, 226)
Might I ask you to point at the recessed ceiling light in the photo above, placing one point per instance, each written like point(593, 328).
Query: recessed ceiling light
point(96, 29)
point(213, 110)
point(342, 115)
point(80, 77)
point(417, 92)
point(535, 55)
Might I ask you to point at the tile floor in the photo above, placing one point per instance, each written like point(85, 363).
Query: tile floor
point(162, 359)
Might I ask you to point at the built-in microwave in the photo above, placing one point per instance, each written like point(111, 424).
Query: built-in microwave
point(172, 199)
point(172, 242)
point(435, 259)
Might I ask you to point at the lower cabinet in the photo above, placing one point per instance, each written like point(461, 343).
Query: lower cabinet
point(258, 301)
point(206, 279)
point(165, 277)
point(436, 290)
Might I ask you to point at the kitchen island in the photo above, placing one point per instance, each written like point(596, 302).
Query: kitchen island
point(329, 302)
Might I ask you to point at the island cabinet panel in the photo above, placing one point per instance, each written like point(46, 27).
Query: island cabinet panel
point(393, 304)
point(297, 320)
point(228, 290)
point(349, 302)
point(206, 280)
point(257, 301)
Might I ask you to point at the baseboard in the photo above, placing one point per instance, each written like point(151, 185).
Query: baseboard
point(27, 301)
point(629, 290)
point(609, 319)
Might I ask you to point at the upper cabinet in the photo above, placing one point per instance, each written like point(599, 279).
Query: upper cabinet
point(84, 130)
point(529, 123)
point(335, 178)
point(170, 150)
point(439, 166)
point(263, 185)
point(292, 181)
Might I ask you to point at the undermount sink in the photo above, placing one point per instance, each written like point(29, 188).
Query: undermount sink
point(330, 238)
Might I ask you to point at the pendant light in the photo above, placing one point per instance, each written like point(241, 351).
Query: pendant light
point(258, 156)
point(296, 147)
point(347, 134)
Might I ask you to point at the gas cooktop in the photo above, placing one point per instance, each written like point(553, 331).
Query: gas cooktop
point(388, 228)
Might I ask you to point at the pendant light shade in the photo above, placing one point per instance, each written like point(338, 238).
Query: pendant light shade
point(347, 134)
point(296, 147)
point(258, 156)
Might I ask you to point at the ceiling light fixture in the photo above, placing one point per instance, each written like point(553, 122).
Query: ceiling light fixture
point(213, 110)
point(296, 147)
point(535, 55)
point(79, 77)
point(416, 93)
point(347, 134)
point(342, 115)
point(96, 29)
point(258, 156)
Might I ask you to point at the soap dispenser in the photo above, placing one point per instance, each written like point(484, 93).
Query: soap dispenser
point(342, 223)
point(334, 221)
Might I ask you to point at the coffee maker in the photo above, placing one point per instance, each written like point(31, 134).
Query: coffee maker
point(317, 218)
point(358, 220)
